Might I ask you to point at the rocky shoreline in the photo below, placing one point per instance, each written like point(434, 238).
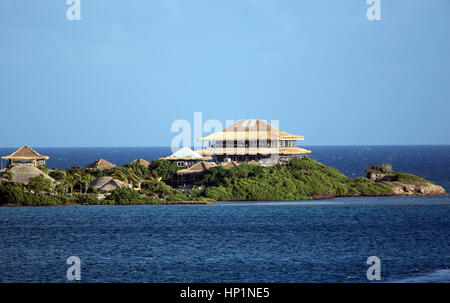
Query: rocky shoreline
point(417, 187)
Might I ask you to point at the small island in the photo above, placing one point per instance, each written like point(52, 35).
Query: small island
point(250, 160)
point(163, 182)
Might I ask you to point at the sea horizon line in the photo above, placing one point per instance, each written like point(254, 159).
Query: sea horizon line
point(168, 146)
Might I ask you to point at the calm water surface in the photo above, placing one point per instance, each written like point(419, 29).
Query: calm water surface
point(319, 241)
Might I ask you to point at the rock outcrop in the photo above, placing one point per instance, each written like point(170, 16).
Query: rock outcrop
point(412, 189)
point(378, 177)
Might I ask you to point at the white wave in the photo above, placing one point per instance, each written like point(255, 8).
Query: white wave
point(438, 276)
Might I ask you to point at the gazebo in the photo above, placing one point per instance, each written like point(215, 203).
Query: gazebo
point(25, 155)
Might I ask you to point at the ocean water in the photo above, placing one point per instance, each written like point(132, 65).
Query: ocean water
point(322, 241)
point(299, 241)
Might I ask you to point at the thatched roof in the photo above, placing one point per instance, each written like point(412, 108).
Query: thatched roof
point(23, 173)
point(197, 168)
point(107, 184)
point(142, 162)
point(253, 162)
point(25, 153)
point(186, 154)
point(101, 164)
point(250, 130)
point(100, 182)
point(230, 164)
point(253, 151)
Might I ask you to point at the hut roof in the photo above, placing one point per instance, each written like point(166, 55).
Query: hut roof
point(25, 153)
point(101, 164)
point(254, 162)
point(253, 151)
point(100, 182)
point(230, 164)
point(250, 129)
point(23, 173)
point(107, 183)
point(186, 153)
point(197, 168)
point(142, 162)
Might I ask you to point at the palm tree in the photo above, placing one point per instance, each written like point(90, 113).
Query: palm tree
point(126, 174)
point(69, 182)
point(87, 179)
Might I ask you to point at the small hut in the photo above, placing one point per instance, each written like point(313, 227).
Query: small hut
point(104, 184)
point(23, 173)
point(230, 164)
point(101, 164)
point(253, 162)
point(25, 155)
point(141, 162)
point(186, 157)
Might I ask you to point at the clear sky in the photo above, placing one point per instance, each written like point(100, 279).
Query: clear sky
point(122, 74)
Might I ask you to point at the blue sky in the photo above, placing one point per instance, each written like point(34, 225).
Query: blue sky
point(122, 74)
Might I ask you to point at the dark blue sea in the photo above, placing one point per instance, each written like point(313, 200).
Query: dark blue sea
point(318, 241)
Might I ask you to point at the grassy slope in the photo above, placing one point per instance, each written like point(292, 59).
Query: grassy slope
point(301, 179)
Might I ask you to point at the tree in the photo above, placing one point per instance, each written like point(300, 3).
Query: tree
point(69, 182)
point(44, 169)
point(39, 184)
point(12, 193)
point(125, 195)
point(126, 174)
point(9, 175)
point(165, 169)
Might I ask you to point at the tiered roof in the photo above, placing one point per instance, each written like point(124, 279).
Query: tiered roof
point(249, 130)
point(253, 151)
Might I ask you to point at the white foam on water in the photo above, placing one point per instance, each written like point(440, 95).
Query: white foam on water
point(438, 276)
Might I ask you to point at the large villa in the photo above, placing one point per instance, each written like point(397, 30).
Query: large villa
point(252, 140)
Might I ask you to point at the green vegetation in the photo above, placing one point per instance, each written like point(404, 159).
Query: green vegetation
point(39, 184)
point(384, 168)
point(406, 178)
point(386, 171)
point(18, 195)
point(9, 175)
point(72, 186)
point(300, 179)
point(164, 169)
point(161, 191)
